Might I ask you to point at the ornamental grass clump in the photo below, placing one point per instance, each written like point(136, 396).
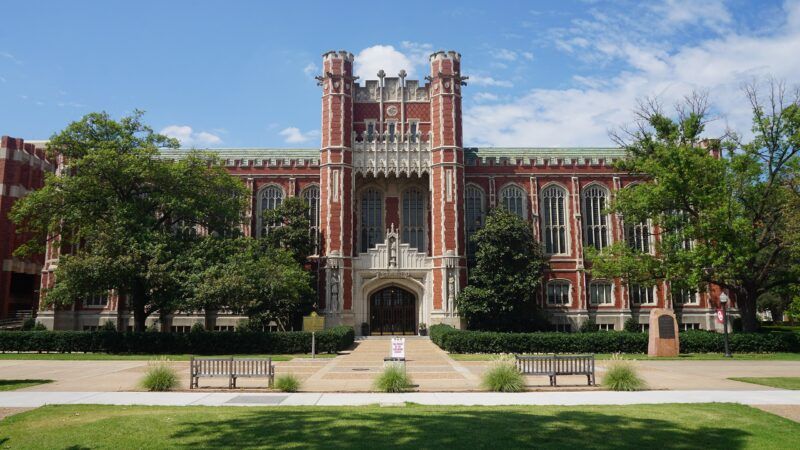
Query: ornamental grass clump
point(160, 377)
point(503, 376)
point(622, 376)
point(393, 379)
point(287, 383)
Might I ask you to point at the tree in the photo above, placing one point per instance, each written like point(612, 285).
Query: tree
point(509, 264)
point(289, 228)
point(129, 216)
point(724, 219)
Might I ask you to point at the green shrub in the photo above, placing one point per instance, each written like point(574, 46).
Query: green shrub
point(694, 341)
point(28, 324)
point(331, 340)
point(631, 325)
point(108, 325)
point(503, 376)
point(393, 379)
point(197, 327)
point(622, 376)
point(287, 383)
point(160, 377)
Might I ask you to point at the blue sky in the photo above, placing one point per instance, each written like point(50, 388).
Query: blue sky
point(240, 74)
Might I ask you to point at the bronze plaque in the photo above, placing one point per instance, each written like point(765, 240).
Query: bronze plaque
point(666, 327)
point(313, 322)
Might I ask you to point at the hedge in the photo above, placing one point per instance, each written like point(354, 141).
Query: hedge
point(200, 343)
point(457, 341)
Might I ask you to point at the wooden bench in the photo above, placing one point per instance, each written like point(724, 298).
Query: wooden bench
point(230, 368)
point(555, 365)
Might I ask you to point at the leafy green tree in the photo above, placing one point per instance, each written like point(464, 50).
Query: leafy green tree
point(126, 217)
point(289, 228)
point(507, 275)
point(724, 220)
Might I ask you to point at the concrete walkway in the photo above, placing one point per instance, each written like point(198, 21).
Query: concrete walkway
point(23, 399)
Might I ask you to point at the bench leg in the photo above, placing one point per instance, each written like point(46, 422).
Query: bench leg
point(555, 381)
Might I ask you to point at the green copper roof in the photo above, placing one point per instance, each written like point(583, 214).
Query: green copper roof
point(471, 152)
point(246, 153)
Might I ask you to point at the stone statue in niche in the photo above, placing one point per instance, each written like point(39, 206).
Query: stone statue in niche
point(334, 306)
point(451, 291)
point(392, 253)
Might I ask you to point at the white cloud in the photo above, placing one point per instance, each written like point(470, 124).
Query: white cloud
point(190, 138)
point(478, 80)
point(528, 56)
point(481, 97)
point(712, 14)
point(583, 114)
point(505, 54)
point(11, 57)
point(293, 135)
point(372, 59)
point(311, 70)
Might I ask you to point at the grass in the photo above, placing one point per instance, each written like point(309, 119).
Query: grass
point(10, 385)
point(393, 379)
point(621, 375)
point(160, 377)
point(129, 357)
point(503, 376)
point(643, 357)
point(792, 383)
point(724, 426)
point(287, 383)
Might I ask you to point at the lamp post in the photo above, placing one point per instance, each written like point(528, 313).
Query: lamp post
point(723, 299)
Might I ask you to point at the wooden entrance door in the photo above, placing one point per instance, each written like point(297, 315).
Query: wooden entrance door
point(392, 310)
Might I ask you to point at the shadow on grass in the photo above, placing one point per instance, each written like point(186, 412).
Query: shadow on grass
point(443, 428)
point(10, 385)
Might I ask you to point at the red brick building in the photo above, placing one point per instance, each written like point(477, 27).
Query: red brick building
point(395, 195)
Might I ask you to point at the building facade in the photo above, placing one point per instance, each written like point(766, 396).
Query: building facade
point(394, 197)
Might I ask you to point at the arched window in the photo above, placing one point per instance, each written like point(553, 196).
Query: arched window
point(513, 200)
point(554, 220)
point(641, 295)
point(371, 218)
point(474, 215)
point(414, 219)
point(600, 292)
point(311, 196)
point(638, 236)
point(270, 198)
point(558, 292)
point(595, 200)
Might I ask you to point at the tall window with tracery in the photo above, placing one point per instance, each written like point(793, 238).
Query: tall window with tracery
point(595, 199)
point(311, 196)
point(414, 219)
point(513, 200)
point(371, 219)
point(474, 216)
point(271, 197)
point(638, 236)
point(554, 221)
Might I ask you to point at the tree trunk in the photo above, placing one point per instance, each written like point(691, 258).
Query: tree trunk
point(746, 302)
point(210, 319)
point(139, 313)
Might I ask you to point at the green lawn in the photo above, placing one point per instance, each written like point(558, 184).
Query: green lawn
point(10, 385)
point(643, 357)
point(724, 426)
point(126, 357)
point(777, 382)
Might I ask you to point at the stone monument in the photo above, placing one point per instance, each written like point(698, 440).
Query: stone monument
point(663, 333)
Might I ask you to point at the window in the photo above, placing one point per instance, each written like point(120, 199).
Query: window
point(554, 222)
point(558, 292)
point(414, 219)
point(474, 216)
point(412, 131)
point(96, 301)
point(677, 222)
point(513, 200)
point(561, 327)
point(638, 236)
point(689, 326)
point(392, 127)
point(370, 131)
point(225, 328)
point(640, 295)
point(311, 196)
point(371, 218)
point(600, 293)
point(683, 296)
point(596, 220)
point(605, 327)
point(271, 197)
point(644, 327)
point(180, 328)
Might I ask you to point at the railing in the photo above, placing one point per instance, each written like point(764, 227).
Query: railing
point(391, 154)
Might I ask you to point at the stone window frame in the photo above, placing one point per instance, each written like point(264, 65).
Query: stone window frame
point(610, 294)
point(376, 230)
point(314, 220)
point(547, 229)
point(694, 294)
point(469, 222)
point(276, 202)
point(593, 206)
point(419, 228)
point(521, 199)
point(641, 288)
point(561, 282)
point(98, 301)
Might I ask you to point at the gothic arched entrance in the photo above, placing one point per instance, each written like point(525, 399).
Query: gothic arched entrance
point(392, 310)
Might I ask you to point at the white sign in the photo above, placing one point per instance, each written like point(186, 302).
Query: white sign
point(398, 347)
